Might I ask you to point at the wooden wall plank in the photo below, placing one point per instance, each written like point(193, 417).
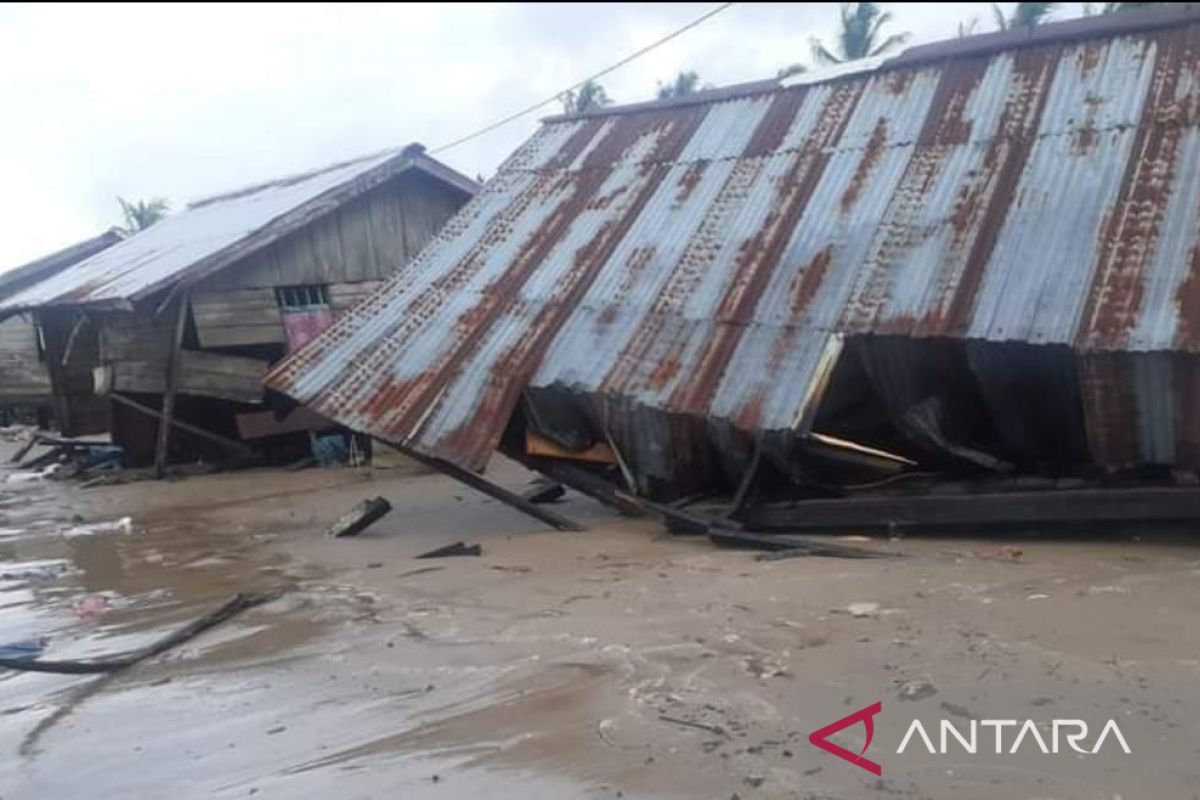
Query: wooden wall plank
point(235, 317)
point(200, 373)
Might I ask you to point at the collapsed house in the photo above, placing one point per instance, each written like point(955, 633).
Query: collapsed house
point(24, 372)
point(180, 322)
point(981, 256)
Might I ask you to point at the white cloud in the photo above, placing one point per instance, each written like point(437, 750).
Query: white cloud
point(183, 101)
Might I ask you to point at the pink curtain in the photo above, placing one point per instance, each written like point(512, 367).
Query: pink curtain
point(302, 327)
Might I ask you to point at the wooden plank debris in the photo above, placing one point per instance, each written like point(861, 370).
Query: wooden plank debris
point(733, 537)
point(586, 482)
point(456, 549)
point(235, 605)
point(975, 511)
point(545, 491)
point(23, 450)
point(482, 484)
point(356, 520)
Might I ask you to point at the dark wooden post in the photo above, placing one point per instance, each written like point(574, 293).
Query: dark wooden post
point(47, 325)
point(168, 403)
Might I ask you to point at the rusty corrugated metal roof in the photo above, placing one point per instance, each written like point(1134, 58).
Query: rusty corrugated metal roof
point(217, 231)
point(707, 257)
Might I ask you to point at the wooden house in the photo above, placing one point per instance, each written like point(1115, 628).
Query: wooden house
point(24, 373)
point(180, 322)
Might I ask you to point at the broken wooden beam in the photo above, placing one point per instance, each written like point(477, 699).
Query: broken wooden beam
point(757, 541)
point(491, 489)
point(356, 520)
point(992, 510)
point(545, 492)
point(235, 447)
point(23, 450)
point(585, 481)
point(235, 605)
point(456, 549)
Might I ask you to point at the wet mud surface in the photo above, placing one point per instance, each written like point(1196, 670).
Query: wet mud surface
point(620, 662)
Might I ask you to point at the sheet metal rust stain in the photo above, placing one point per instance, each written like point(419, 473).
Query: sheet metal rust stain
point(1006, 156)
point(760, 255)
point(945, 130)
point(731, 234)
point(1130, 236)
point(473, 442)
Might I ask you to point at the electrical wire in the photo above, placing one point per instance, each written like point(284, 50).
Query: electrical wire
point(631, 57)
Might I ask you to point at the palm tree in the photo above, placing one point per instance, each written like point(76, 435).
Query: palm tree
point(685, 83)
point(967, 28)
point(860, 36)
point(142, 214)
point(590, 95)
point(1024, 15)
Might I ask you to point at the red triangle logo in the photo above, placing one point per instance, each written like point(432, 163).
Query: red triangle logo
point(820, 738)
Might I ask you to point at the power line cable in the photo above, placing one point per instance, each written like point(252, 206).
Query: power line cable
point(633, 56)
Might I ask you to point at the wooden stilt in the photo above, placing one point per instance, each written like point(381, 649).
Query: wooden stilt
point(743, 490)
point(168, 403)
point(482, 484)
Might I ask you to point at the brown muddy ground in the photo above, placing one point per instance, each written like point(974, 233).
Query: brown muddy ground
point(543, 668)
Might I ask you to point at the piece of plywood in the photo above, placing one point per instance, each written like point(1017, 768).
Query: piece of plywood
point(538, 445)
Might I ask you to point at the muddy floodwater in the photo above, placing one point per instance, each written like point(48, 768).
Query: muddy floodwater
point(620, 662)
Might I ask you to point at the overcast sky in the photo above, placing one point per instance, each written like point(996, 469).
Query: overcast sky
point(183, 101)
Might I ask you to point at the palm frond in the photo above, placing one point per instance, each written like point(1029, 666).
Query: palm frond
point(895, 40)
point(1001, 20)
point(822, 55)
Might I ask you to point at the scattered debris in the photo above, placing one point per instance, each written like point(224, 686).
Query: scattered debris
point(419, 571)
point(916, 690)
point(862, 610)
point(359, 518)
point(716, 730)
point(958, 711)
point(91, 606)
point(47, 570)
point(24, 649)
point(780, 555)
point(23, 450)
point(456, 549)
point(123, 525)
point(545, 491)
point(235, 605)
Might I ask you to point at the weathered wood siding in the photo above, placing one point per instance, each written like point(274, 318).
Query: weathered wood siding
point(23, 375)
point(135, 336)
point(78, 409)
point(134, 349)
point(200, 374)
point(237, 317)
point(367, 239)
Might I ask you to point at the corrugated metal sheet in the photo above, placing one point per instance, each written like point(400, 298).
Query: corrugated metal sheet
point(211, 233)
point(705, 259)
point(15, 279)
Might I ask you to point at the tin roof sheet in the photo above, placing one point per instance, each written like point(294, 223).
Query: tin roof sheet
point(707, 257)
point(214, 232)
